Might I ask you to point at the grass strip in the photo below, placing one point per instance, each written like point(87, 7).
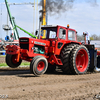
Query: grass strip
point(2, 55)
point(22, 64)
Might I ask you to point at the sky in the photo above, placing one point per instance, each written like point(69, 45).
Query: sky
point(84, 16)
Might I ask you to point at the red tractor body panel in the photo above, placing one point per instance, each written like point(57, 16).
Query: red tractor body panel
point(57, 50)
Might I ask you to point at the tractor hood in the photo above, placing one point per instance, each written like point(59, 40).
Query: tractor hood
point(31, 47)
point(34, 41)
point(41, 42)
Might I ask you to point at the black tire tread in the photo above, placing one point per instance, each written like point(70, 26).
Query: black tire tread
point(10, 63)
point(33, 60)
point(72, 59)
point(65, 57)
point(33, 65)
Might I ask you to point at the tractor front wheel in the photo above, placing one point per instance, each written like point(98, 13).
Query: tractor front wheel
point(11, 61)
point(38, 65)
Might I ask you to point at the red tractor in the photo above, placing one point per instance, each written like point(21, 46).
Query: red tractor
point(59, 48)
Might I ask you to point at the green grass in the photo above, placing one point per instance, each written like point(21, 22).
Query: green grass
point(25, 63)
point(22, 64)
point(2, 55)
point(3, 64)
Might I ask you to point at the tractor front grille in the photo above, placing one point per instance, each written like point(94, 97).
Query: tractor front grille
point(24, 46)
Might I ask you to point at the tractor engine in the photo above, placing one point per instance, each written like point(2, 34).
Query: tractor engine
point(39, 49)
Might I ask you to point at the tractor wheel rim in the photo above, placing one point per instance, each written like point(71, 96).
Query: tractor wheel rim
point(14, 59)
point(40, 66)
point(82, 60)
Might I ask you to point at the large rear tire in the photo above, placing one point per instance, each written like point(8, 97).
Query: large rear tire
point(38, 65)
point(11, 61)
point(79, 60)
point(65, 57)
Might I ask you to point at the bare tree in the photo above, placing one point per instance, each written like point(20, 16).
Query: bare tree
point(80, 38)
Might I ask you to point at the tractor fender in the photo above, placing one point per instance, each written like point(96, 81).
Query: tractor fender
point(70, 43)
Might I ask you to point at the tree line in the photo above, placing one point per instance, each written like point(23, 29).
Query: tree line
point(92, 37)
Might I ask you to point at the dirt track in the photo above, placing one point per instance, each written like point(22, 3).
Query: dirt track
point(2, 59)
point(19, 84)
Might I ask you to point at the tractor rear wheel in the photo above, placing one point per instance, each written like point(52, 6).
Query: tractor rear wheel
point(65, 57)
point(38, 65)
point(11, 61)
point(79, 60)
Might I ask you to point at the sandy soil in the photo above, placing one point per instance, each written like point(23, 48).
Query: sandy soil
point(2, 59)
point(19, 84)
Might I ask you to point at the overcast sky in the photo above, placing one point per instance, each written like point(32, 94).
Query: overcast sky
point(84, 16)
